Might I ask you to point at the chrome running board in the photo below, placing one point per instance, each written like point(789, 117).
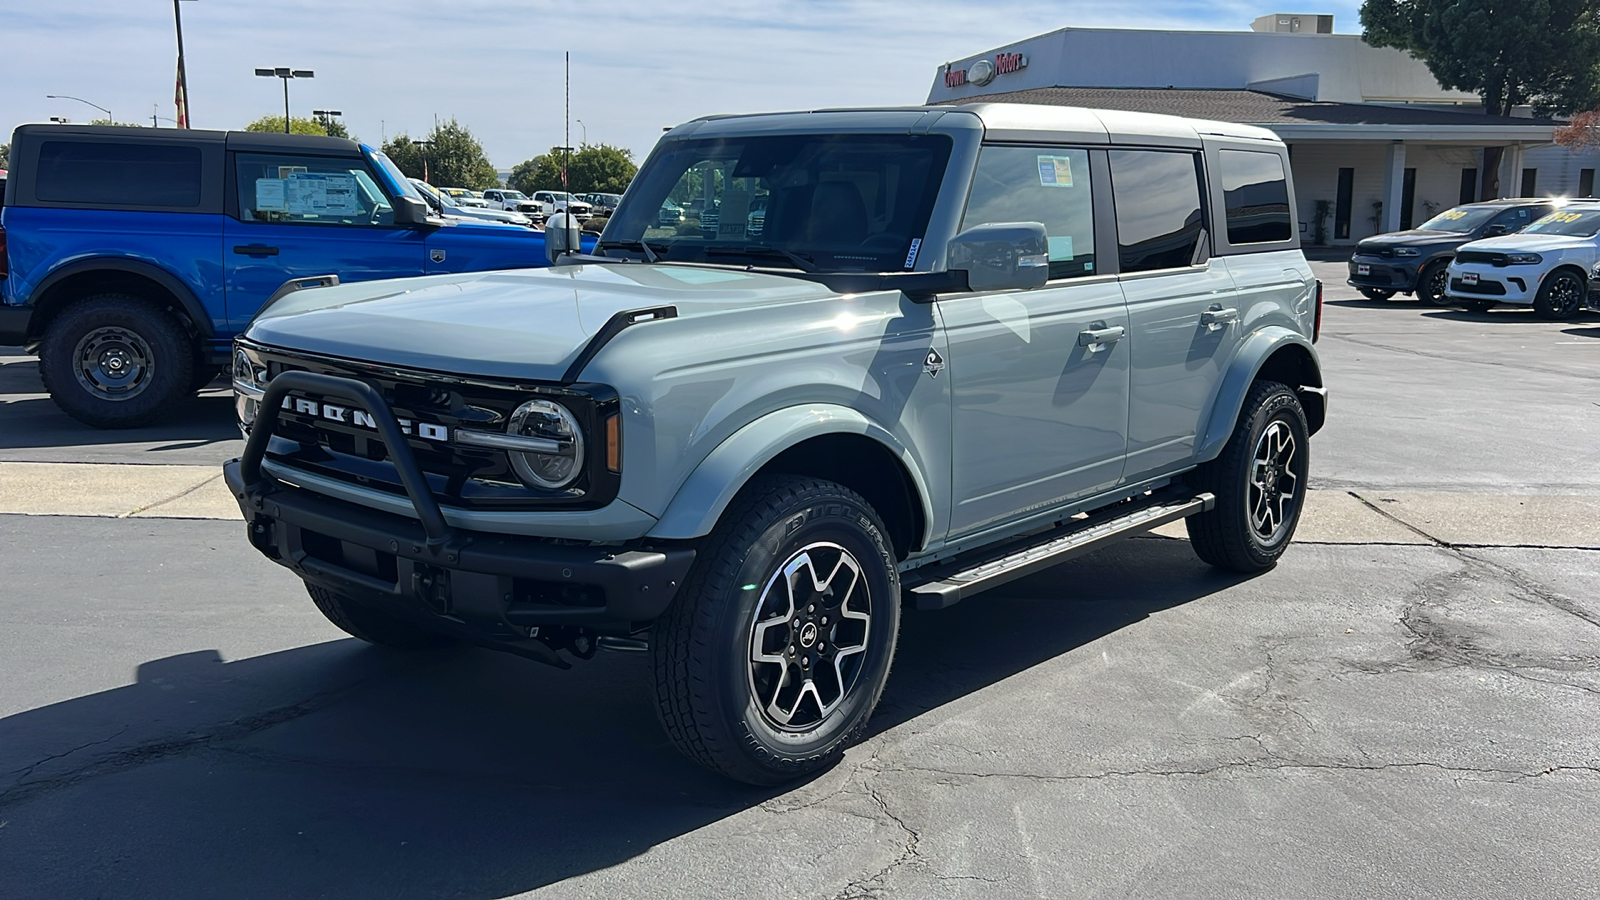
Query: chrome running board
point(945, 584)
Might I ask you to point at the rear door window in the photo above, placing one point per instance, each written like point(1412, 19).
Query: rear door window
point(1159, 212)
point(1049, 185)
point(1255, 190)
point(111, 174)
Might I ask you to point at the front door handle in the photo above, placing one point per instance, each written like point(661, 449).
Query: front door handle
point(1097, 339)
point(1216, 317)
point(255, 250)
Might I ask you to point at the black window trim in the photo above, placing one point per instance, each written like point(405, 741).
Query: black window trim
point(1220, 245)
point(231, 187)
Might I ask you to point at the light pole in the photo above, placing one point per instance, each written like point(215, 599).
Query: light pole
point(81, 100)
point(180, 97)
point(422, 151)
point(61, 120)
point(285, 73)
point(326, 117)
point(585, 128)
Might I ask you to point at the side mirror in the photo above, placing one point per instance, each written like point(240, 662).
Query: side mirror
point(410, 211)
point(562, 235)
point(1002, 256)
point(1496, 230)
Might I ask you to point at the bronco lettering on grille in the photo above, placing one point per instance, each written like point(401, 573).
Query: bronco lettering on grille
point(357, 418)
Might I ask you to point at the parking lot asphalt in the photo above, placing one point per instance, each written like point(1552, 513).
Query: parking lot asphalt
point(1408, 705)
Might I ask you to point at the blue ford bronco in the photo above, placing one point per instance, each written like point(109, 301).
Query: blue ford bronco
point(966, 343)
point(130, 257)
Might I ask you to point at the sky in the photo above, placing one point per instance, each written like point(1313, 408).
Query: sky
point(497, 65)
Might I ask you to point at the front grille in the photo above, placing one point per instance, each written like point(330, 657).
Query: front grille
point(1484, 286)
point(1370, 250)
point(459, 475)
point(1498, 260)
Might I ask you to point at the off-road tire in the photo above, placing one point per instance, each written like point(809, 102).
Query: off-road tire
point(372, 625)
point(702, 647)
point(164, 385)
point(1561, 296)
point(1226, 536)
point(1378, 294)
point(1430, 288)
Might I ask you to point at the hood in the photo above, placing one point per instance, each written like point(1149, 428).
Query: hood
point(1528, 243)
point(524, 324)
point(1411, 238)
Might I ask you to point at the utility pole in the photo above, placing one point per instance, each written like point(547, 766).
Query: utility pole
point(180, 96)
point(567, 120)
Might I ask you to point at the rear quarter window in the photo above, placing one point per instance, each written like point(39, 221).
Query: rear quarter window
point(103, 173)
point(1255, 191)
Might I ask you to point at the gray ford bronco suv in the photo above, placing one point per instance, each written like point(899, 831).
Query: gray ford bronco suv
point(965, 344)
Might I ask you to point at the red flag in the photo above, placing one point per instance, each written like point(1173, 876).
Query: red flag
point(180, 97)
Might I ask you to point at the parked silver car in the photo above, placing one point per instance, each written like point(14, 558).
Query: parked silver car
point(966, 343)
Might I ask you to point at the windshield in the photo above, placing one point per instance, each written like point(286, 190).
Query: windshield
point(396, 177)
point(1572, 224)
point(1460, 220)
point(429, 193)
point(839, 203)
point(513, 195)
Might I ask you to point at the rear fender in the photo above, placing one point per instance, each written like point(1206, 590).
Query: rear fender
point(1280, 354)
point(700, 501)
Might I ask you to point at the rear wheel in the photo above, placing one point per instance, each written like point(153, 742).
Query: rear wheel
point(1376, 293)
point(114, 361)
point(770, 661)
point(1259, 482)
point(372, 625)
point(1433, 281)
point(1561, 295)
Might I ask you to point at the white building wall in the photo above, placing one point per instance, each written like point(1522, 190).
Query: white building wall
point(1559, 170)
point(1347, 70)
point(1316, 177)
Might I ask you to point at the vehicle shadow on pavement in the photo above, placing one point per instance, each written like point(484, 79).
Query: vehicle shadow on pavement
point(1589, 332)
point(341, 770)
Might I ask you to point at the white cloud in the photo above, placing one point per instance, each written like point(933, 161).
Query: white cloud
point(496, 65)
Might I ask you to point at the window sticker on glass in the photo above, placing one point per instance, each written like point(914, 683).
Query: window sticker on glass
point(1060, 247)
point(269, 195)
point(911, 256)
point(1055, 171)
point(317, 194)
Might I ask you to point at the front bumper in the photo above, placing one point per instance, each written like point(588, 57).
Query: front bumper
point(1517, 285)
point(1384, 274)
point(485, 587)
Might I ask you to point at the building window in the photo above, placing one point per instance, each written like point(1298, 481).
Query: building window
point(1530, 182)
point(1586, 183)
point(1039, 184)
point(1469, 185)
point(1256, 194)
point(1408, 198)
point(1341, 204)
point(160, 175)
point(1159, 212)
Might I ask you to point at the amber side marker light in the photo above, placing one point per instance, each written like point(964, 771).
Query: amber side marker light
point(614, 443)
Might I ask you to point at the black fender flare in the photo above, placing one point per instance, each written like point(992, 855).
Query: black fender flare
point(199, 319)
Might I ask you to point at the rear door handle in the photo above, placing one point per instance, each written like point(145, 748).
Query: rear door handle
point(255, 250)
point(1097, 339)
point(1214, 319)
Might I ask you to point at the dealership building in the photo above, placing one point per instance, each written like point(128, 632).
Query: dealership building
point(1369, 129)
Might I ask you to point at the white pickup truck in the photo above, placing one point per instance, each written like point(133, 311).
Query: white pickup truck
point(552, 202)
point(515, 201)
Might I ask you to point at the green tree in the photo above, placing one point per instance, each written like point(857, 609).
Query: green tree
point(297, 125)
point(600, 168)
point(1543, 53)
point(452, 157)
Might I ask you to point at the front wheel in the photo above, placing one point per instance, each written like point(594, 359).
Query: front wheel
point(1259, 482)
point(115, 361)
point(770, 661)
point(1432, 282)
point(1561, 296)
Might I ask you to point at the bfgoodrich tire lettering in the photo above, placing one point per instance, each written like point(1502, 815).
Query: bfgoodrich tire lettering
point(1259, 482)
point(774, 654)
point(115, 361)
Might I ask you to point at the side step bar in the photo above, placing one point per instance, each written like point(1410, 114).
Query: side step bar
point(941, 586)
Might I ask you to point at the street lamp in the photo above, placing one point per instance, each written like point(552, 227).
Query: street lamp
point(285, 73)
point(423, 152)
point(81, 100)
point(585, 132)
point(326, 117)
point(61, 120)
point(181, 96)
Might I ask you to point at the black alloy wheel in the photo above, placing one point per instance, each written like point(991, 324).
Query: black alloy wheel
point(1561, 295)
point(1433, 282)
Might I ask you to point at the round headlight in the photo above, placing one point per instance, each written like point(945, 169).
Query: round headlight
point(551, 422)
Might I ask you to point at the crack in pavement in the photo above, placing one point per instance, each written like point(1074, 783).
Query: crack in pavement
point(1508, 776)
point(1466, 360)
point(27, 770)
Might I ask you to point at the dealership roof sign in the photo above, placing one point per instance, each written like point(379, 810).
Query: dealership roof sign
point(984, 70)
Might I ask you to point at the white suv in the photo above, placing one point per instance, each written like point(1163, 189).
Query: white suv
point(1547, 265)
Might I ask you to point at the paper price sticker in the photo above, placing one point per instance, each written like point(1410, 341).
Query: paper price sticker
point(1055, 171)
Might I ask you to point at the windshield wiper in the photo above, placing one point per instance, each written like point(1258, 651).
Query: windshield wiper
point(803, 263)
point(650, 253)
